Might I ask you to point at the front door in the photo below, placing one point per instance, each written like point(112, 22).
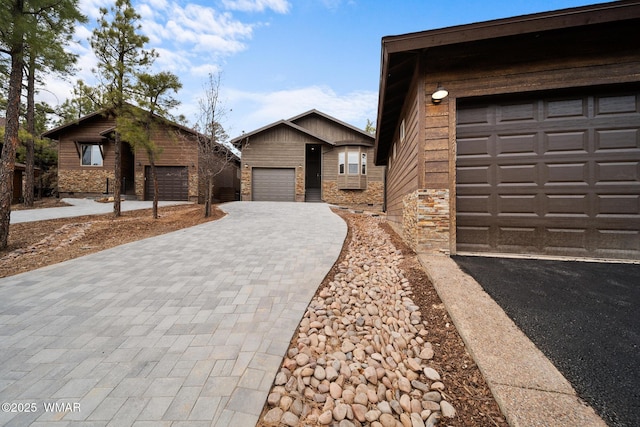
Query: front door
point(313, 172)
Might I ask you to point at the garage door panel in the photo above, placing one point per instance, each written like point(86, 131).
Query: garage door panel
point(521, 112)
point(616, 139)
point(476, 147)
point(565, 108)
point(615, 242)
point(516, 238)
point(620, 172)
point(566, 173)
point(557, 176)
point(526, 174)
point(567, 205)
point(574, 142)
point(474, 238)
point(518, 204)
point(616, 104)
point(566, 241)
point(618, 205)
point(516, 144)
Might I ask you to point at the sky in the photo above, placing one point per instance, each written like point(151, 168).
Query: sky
point(280, 58)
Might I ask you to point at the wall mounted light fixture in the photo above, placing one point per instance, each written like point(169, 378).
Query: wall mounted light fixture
point(440, 94)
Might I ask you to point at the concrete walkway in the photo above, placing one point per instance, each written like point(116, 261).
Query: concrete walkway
point(81, 207)
point(184, 329)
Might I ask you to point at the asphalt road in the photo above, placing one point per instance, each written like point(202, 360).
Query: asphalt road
point(584, 316)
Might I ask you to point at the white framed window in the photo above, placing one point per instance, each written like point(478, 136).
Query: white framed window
point(352, 162)
point(341, 163)
point(91, 155)
point(352, 157)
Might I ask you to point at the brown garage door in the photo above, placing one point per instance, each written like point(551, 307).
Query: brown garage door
point(173, 183)
point(274, 184)
point(555, 176)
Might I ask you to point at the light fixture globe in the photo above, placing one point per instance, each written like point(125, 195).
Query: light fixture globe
point(440, 94)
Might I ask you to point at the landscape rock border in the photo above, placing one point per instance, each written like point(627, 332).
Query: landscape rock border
point(362, 354)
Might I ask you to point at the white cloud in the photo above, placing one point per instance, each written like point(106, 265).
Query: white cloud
point(268, 107)
point(279, 6)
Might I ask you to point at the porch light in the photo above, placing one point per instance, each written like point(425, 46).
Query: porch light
point(440, 94)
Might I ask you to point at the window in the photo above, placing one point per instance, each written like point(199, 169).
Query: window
point(402, 131)
point(91, 155)
point(353, 162)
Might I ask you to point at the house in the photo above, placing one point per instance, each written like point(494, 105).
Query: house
point(86, 163)
point(530, 145)
point(310, 157)
point(19, 169)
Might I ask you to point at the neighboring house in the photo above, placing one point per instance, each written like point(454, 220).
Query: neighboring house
point(310, 157)
point(536, 148)
point(86, 163)
point(19, 178)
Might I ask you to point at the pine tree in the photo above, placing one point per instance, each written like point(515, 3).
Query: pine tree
point(119, 47)
point(20, 22)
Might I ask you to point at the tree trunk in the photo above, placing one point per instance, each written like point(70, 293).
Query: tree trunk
point(156, 191)
point(31, 128)
point(117, 181)
point(8, 159)
point(209, 195)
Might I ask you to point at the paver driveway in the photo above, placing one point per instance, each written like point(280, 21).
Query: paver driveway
point(188, 328)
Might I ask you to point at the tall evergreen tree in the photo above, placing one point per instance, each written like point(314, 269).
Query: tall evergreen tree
point(41, 58)
point(119, 47)
point(153, 95)
point(19, 20)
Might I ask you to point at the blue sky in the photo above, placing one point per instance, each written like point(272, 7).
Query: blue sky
point(280, 58)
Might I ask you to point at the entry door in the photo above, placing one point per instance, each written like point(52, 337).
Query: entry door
point(313, 166)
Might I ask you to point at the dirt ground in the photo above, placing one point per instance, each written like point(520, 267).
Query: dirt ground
point(38, 244)
point(467, 389)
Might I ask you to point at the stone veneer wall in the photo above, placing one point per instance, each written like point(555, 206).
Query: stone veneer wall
point(373, 195)
point(84, 181)
point(193, 184)
point(300, 184)
point(426, 221)
point(245, 184)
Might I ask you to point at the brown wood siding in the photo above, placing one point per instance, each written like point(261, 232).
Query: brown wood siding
point(596, 55)
point(278, 147)
point(68, 157)
point(402, 175)
point(330, 164)
point(327, 129)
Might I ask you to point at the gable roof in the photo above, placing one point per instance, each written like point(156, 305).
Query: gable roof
point(293, 124)
point(400, 53)
point(238, 140)
point(55, 132)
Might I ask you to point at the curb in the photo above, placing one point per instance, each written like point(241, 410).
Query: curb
point(528, 388)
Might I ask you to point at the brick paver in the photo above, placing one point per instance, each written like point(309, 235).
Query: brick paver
point(187, 328)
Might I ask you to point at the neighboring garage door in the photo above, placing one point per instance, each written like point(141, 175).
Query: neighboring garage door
point(274, 184)
point(173, 183)
point(553, 176)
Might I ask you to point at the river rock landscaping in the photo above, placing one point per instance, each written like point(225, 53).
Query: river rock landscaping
point(366, 351)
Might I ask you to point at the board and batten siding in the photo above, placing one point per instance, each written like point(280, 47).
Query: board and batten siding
point(328, 130)
point(68, 157)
